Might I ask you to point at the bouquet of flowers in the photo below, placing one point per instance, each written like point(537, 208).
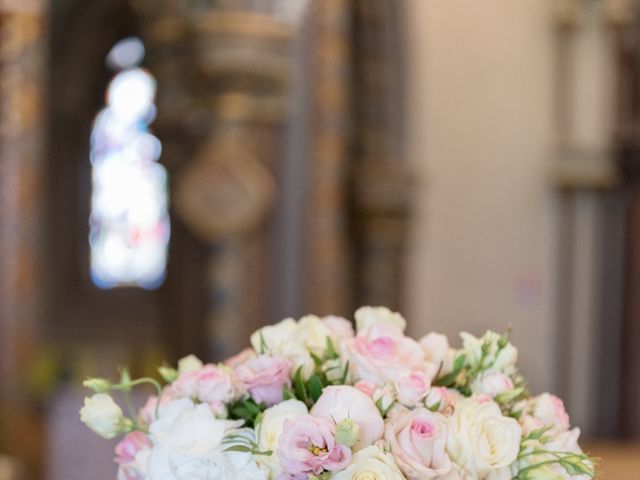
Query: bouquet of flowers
point(314, 399)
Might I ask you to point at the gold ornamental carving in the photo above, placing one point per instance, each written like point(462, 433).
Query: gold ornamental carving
point(225, 191)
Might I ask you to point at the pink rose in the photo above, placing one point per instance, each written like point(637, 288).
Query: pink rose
point(264, 378)
point(382, 353)
point(418, 441)
point(339, 327)
point(148, 411)
point(492, 384)
point(482, 398)
point(529, 423)
point(211, 384)
point(366, 387)
point(126, 452)
point(130, 445)
point(412, 388)
point(240, 358)
point(550, 410)
point(342, 402)
point(308, 447)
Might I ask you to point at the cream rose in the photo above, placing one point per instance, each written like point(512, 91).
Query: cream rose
point(288, 340)
point(340, 327)
point(270, 339)
point(102, 415)
point(344, 402)
point(435, 347)
point(367, 317)
point(370, 463)
point(418, 441)
point(270, 428)
point(189, 364)
point(312, 333)
point(481, 439)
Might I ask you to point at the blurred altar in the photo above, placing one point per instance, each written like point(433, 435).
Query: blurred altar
point(176, 173)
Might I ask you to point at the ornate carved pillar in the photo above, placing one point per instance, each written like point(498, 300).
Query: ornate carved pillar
point(329, 271)
point(21, 213)
point(227, 192)
point(381, 180)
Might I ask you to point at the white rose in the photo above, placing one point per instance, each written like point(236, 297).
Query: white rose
point(188, 444)
point(102, 415)
point(435, 347)
point(270, 427)
point(566, 441)
point(346, 402)
point(270, 338)
point(312, 333)
point(481, 439)
point(189, 364)
point(370, 463)
point(367, 317)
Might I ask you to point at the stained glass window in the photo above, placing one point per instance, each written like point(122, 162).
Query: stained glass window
point(129, 222)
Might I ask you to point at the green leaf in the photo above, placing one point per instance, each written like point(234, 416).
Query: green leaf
point(239, 448)
point(263, 452)
point(263, 344)
point(330, 353)
point(315, 387)
point(167, 373)
point(258, 419)
point(125, 378)
point(459, 362)
point(299, 387)
point(287, 394)
point(449, 380)
point(343, 380)
point(316, 359)
point(435, 407)
point(246, 409)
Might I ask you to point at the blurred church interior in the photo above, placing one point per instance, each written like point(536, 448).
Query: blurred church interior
point(176, 173)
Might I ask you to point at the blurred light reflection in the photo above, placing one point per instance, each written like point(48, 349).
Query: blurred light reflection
point(129, 222)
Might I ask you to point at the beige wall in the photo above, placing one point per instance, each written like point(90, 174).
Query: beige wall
point(480, 102)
